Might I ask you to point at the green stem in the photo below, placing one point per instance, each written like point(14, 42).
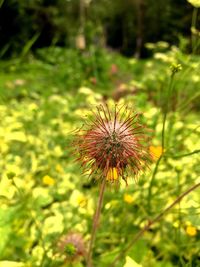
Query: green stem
point(151, 222)
point(162, 142)
point(178, 232)
point(95, 222)
point(187, 154)
point(169, 91)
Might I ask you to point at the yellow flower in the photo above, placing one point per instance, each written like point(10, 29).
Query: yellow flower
point(156, 151)
point(112, 174)
point(59, 168)
point(47, 180)
point(128, 198)
point(191, 230)
point(81, 201)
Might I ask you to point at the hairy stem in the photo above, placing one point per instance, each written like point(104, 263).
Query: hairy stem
point(95, 223)
point(151, 222)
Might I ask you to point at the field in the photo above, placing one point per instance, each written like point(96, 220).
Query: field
point(44, 194)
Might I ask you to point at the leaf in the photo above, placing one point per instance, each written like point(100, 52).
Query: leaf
point(11, 264)
point(5, 232)
point(131, 263)
point(16, 136)
point(42, 196)
point(138, 252)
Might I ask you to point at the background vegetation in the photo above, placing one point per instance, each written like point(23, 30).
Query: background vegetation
point(59, 59)
point(122, 25)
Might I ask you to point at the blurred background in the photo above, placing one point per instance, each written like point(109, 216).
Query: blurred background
point(59, 59)
point(124, 26)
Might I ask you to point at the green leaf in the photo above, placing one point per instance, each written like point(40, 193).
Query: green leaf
point(139, 251)
point(11, 264)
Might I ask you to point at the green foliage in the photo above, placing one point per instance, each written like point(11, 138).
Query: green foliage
point(43, 192)
point(119, 24)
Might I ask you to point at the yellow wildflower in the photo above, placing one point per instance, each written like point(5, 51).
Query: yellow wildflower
point(59, 168)
point(47, 180)
point(81, 201)
point(191, 230)
point(177, 224)
point(156, 151)
point(112, 174)
point(128, 198)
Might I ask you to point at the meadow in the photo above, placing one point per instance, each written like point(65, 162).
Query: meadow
point(44, 194)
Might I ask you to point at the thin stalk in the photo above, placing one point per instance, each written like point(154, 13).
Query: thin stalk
point(178, 232)
point(151, 222)
point(187, 154)
point(167, 109)
point(162, 142)
point(95, 222)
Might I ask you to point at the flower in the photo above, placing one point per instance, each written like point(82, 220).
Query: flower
point(112, 143)
point(47, 180)
point(59, 168)
point(73, 246)
point(112, 174)
point(175, 67)
point(128, 198)
point(191, 230)
point(156, 151)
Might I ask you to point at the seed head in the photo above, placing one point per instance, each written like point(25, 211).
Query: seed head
point(113, 143)
point(72, 246)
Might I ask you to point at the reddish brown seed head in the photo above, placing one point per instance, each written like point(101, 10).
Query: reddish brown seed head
point(113, 143)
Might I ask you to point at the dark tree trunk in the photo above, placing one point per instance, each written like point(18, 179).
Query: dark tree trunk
point(140, 27)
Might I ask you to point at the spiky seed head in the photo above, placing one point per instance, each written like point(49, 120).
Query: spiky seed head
point(113, 143)
point(72, 246)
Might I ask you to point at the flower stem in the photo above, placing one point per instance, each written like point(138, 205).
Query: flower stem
point(166, 109)
point(151, 222)
point(95, 222)
point(187, 154)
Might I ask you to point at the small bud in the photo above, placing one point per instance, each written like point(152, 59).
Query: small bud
point(175, 67)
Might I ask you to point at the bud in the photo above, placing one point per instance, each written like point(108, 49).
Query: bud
point(113, 143)
point(175, 68)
